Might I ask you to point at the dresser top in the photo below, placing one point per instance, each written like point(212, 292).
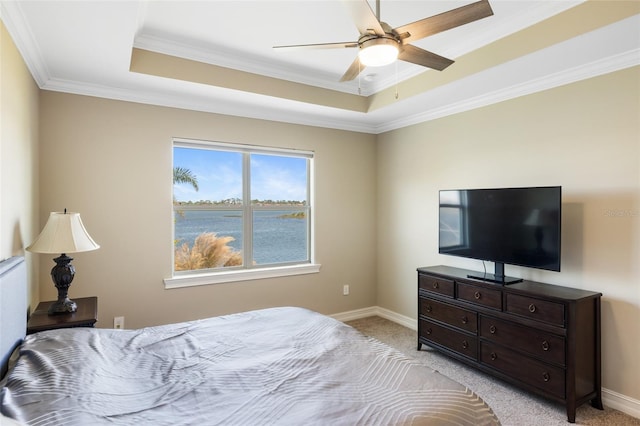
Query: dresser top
point(523, 287)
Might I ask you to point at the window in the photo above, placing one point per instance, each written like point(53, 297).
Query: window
point(240, 208)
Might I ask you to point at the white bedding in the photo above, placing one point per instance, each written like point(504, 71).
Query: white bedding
point(284, 366)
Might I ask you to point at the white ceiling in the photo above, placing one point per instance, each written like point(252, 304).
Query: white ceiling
point(85, 47)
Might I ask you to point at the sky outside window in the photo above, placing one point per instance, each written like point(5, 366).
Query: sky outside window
point(219, 175)
point(278, 178)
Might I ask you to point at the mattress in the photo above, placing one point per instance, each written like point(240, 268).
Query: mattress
point(279, 366)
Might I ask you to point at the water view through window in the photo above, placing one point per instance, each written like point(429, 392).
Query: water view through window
point(239, 209)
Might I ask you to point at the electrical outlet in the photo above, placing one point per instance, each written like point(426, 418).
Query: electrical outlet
point(345, 290)
point(118, 323)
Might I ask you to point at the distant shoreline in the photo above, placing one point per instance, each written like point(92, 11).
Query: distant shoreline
point(296, 215)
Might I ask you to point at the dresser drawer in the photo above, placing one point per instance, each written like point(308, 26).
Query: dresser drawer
point(541, 310)
point(480, 295)
point(435, 285)
point(452, 315)
point(535, 373)
point(544, 346)
point(457, 341)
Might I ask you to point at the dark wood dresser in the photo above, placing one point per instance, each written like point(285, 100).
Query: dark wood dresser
point(540, 337)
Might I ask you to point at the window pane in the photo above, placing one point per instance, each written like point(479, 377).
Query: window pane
point(207, 239)
point(218, 175)
point(280, 236)
point(278, 179)
point(203, 238)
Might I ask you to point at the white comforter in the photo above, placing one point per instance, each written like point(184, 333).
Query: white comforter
point(284, 366)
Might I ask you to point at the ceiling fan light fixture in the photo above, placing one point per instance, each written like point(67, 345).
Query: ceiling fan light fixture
point(377, 52)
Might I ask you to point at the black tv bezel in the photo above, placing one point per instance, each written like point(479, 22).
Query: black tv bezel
point(499, 277)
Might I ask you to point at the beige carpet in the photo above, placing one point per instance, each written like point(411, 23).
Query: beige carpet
point(512, 406)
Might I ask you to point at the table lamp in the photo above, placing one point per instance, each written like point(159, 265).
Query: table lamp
point(63, 233)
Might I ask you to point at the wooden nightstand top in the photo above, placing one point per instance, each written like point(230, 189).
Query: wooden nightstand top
point(85, 316)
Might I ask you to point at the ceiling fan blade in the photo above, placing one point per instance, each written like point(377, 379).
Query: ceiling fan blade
point(444, 21)
point(354, 69)
point(346, 44)
point(363, 17)
point(415, 55)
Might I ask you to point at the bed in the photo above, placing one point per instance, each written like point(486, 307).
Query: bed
point(273, 366)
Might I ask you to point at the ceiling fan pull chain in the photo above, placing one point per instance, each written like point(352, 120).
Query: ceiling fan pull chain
point(359, 71)
point(396, 79)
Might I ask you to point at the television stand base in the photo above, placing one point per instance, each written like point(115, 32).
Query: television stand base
point(492, 278)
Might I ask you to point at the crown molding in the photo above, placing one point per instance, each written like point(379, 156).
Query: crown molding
point(606, 50)
point(281, 111)
point(17, 26)
point(252, 106)
point(568, 76)
point(607, 39)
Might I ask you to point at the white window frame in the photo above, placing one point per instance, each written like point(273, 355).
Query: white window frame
point(248, 272)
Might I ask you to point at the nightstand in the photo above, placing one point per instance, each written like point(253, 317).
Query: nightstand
point(85, 316)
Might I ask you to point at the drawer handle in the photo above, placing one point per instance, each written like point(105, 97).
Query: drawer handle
point(465, 344)
point(545, 345)
point(494, 356)
point(436, 285)
point(477, 295)
point(465, 320)
point(492, 329)
point(428, 308)
point(546, 377)
point(532, 308)
point(429, 331)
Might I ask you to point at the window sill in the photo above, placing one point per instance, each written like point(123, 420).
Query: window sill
point(239, 275)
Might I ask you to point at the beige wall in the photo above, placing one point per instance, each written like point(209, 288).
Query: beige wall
point(585, 137)
point(111, 161)
point(18, 158)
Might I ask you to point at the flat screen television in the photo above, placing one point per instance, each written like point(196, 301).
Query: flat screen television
point(515, 226)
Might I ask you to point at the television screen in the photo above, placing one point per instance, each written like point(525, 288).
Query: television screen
point(517, 226)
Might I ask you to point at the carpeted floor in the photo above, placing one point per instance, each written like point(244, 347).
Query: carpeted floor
point(512, 406)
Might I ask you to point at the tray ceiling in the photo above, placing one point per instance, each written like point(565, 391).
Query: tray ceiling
point(217, 56)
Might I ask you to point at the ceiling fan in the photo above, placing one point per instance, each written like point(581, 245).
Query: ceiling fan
point(379, 44)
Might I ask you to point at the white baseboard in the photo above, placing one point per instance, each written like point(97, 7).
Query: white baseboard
point(610, 398)
point(621, 402)
point(376, 311)
point(397, 318)
point(357, 314)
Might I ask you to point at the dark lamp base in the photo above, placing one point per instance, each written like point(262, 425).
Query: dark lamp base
point(62, 274)
point(64, 306)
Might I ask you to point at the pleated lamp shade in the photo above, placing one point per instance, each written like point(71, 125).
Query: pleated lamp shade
point(63, 233)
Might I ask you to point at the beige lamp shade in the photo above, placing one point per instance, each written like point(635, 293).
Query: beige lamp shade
point(63, 233)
